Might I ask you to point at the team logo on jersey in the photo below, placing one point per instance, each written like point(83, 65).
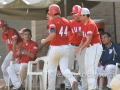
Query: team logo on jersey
point(110, 51)
point(76, 29)
point(22, 52)
point(8, 41)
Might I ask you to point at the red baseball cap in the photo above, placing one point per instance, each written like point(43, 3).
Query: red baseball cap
point(22, 30)
point(75, 9)
point(2, 23)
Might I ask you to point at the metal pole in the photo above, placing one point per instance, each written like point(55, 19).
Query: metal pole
point(65, 8)
point(114, 22)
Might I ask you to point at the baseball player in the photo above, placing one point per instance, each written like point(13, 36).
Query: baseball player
point(74, 40)
point(23, 70)
point(92, 43)
point(48, 31)
point(59, 49)
point(26, 51)
point(10, 37)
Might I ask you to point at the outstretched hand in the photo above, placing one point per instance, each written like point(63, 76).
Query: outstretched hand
point(78, 50)
point(43, 41)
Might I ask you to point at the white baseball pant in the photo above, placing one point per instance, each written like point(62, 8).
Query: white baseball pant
point(12, 71)
point(58, 55)
point(109, 70)
point(4, 66)
point(81, 64)
point(92, 57)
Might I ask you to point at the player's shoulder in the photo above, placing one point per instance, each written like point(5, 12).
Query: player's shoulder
point(12, 29)
point(64, 19)
point(91, 23)
point(72, 20)
point(52, 21)
point(33, 42)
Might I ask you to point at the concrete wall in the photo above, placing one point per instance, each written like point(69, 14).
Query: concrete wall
point(104, 11)
point(117, 12)
point(18, 25)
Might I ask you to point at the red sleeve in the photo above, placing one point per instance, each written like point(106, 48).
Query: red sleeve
point(3, 38)
point(90, 29)
point(69, 29)
point(35, 50)
point(14, 35)
point(15, 55)
point(51, 25)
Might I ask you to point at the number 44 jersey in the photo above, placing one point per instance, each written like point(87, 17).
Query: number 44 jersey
point(61, 27)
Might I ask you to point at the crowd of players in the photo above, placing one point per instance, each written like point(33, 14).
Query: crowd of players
point(78, 39)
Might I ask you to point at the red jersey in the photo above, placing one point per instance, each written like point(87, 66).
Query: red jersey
point(10, 37)
point(30, 47)
point(75, 29)
point(61, 25)
point(90, 28)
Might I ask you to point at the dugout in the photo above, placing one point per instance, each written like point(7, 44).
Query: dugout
point(100, 24)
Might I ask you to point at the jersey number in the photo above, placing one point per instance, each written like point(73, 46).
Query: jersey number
point(63, 32)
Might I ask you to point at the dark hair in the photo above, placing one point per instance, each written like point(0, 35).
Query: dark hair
point(57, 14)
point(88, 15)
point(101, 30)
point(27, 30)
point(108, 34)
point(47, 10)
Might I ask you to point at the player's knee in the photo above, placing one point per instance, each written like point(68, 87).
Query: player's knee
point(110, 68)
point(9, 68)
point(3, 67)
point(63, 70)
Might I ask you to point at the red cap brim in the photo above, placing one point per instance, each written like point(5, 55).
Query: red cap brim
point(77, 14)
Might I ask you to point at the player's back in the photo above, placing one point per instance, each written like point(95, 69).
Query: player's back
point(61, 25)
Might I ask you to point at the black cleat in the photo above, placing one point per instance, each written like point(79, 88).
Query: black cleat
point(62, 86)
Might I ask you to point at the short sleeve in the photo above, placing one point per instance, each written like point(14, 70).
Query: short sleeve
point(3, 38)
point(51, 25)
point(14, 35)
point(35, 49)
point(90, 29)
point(15, 54)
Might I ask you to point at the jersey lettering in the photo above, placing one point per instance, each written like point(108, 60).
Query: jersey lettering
point(8, 41)
point(76, 29)
point(63, 32)
point(84, 34)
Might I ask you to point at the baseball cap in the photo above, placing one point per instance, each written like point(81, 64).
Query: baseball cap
point(75, 9)
point(2, 23)
point(83, 11)
point(22, 30)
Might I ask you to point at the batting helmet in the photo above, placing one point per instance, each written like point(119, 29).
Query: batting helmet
point(2, 23)
point(54, 9)
point(75, 9)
